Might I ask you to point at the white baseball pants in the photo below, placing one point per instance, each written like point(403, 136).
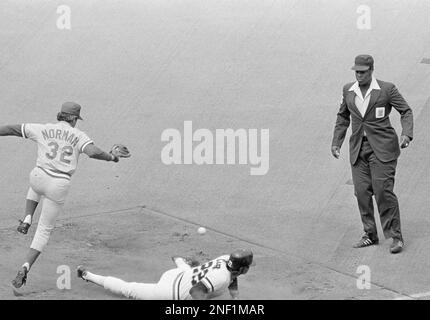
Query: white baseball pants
point(164, 289)
point(54, 191)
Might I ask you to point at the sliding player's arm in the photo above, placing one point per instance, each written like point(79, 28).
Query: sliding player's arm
point(199, 292)
point(234, 289)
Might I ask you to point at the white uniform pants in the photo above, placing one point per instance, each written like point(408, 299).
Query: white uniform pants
point(54, 190)
point(164, 289)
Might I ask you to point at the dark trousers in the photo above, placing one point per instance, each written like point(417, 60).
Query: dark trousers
point(373, 177)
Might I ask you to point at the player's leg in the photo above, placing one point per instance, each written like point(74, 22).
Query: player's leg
point(131, 290)
point(169, 285)
point(21, 277)
point(34, 194)
point(86, 275)
point(36, 183)
point(33, 199)
point(50, 211)
point(55, 191)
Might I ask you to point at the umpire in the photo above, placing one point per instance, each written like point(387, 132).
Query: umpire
point(373, 148)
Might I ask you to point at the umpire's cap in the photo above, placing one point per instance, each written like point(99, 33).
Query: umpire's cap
point(71, 108)
point(363, 62)
point(240, 258)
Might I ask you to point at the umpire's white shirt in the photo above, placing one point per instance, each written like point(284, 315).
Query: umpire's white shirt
point(363, 102)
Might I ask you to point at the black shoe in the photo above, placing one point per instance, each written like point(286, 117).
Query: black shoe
point(397, 246)
point(365, 241)
point(190, 261)
point(23, 227)
point(81, 272)
point(21, 278)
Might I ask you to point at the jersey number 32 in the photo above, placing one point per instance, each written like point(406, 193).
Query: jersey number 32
point(66, 151)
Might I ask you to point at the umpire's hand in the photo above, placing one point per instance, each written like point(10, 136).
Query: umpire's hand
point(335, 151)
point(405, 140)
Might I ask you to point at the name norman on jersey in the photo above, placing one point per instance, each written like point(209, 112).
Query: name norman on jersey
point(60, 135)
point(59, 146)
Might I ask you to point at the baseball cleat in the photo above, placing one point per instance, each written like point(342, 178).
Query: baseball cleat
point(192, 262)
point(81, 272)
point(21, 278)
point(23, 227)
point(397, 246)
point(180, 261)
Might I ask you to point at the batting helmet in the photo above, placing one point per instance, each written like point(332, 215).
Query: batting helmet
point(239, 259)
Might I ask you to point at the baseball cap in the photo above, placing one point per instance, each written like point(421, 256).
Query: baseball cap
point(241, 258)
point(363, 62)
point(72, 108)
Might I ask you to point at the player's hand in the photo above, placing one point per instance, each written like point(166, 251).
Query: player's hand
point(120, 151)
point(335, 151)
point(234, 294)
point(114, 157)
point(404, 141)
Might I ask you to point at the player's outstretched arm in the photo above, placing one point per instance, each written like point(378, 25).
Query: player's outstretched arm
point(234, 294)
point(95, 152)
point(11, 130)
point(199, 292)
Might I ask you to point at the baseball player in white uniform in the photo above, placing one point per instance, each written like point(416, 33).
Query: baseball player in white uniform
point(59, 147)
point(185, 282)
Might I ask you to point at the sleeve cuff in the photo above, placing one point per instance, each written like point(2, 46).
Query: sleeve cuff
point(85, 144)
point(23, 131)
point(208, 284)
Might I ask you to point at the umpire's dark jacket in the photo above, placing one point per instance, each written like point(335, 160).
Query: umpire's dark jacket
point(376, 122)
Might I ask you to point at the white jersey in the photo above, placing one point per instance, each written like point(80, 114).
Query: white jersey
point(59, 146)
point(213, 275)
